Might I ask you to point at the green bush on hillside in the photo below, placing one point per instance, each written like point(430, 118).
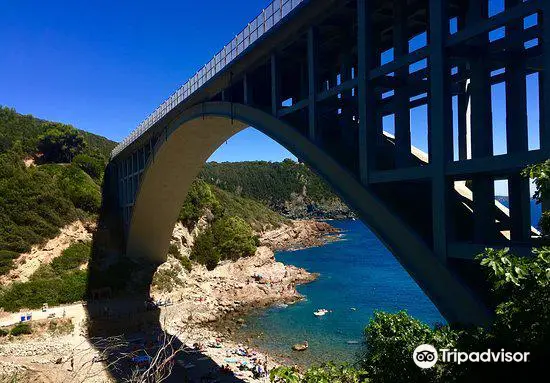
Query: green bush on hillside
point(21, 329)
point(234, 238)
point(325, 373)
point(83, 192)
point(24, 131)
point(227, 238)
point(60, 143)
point(198, 200)
point(3, 332)
point(184, 261)
point(6, 260)
point(205, 251)
point(32, 205)
point(93, 166)
point(72, 257)
point(56, 283)
point(66, 288)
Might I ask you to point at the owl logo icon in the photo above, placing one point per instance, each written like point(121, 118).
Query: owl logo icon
point(425, 356)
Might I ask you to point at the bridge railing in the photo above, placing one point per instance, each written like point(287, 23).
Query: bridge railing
point(269, 16)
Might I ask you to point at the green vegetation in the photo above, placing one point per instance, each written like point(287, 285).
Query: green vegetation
point(227, 238)
point(76, 185)
point(326, 373)
point(93, 166)
point(57, 283)
point(36, 201)
point(199, 199)
point(72, 257)
point(205, 250)
point(184, 261)
point(209, 200)
point(21, 329)
point(61, 326)
point(287, 187)
point(6, 260)
point(166, 278)
point(257, 215)
point(32, 206)
point(23, 132)
point(60, 143)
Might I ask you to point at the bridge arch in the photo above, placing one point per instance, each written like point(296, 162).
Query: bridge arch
point(196, 133)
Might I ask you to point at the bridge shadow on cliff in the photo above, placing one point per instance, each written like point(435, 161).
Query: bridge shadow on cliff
point(122, 325)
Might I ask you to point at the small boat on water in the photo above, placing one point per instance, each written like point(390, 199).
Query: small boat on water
point(301, 346)
point(320, 312)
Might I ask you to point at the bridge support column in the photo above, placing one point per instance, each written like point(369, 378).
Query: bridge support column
point(544, 85)
point(367, 112)
point(440, 123)
point(481, 134)
point(312, 81)
point(402, 113)
point(516, 134)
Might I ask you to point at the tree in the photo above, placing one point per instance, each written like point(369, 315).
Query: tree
point(199, 199)
point(234, 238)
point(93, 165)
point(60, 143)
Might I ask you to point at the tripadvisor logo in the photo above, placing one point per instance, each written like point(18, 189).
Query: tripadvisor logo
point(426, 356)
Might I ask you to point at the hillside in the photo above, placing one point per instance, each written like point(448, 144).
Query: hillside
point(26, 129)
point(36, 201)
point(287, 187)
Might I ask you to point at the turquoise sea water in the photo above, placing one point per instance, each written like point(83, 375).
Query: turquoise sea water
point(358, 273)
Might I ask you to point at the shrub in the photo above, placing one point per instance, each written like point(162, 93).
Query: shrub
point(61, 326)
point(166, 279)
point(227, 238)
point(390, 341)
point(173, 250)
point(186, 263)
point(21, 329)
point(198, 200)
point(205, 251)
point(326, 373)
point(83, 192)
point(234, 238)
point(93, 166)
point(66, 288)
point(72, 257)
point(60, 143)
point(6, 260)
point(3, 333)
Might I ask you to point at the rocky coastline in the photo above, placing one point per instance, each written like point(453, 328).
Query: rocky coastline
point(234, 287)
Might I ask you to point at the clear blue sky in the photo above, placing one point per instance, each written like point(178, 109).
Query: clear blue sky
point(103, 66)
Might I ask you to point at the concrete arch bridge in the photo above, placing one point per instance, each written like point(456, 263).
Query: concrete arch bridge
point(322, 78)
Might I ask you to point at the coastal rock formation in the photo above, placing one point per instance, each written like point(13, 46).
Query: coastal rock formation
point(299, 234)
point(204, 296)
